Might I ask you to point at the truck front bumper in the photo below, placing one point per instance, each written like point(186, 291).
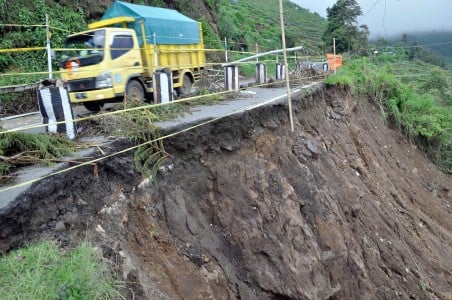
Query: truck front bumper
point(96, 95)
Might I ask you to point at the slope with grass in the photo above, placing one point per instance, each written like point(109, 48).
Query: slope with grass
point(413, 96)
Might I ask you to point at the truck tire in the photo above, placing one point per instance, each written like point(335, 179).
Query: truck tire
point(135, 90)
point(93, 106)
point(187, 84)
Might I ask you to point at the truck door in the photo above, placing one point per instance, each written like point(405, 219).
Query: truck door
point(126, 59)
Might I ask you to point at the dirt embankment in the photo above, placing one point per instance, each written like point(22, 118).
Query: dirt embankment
point(342, 208)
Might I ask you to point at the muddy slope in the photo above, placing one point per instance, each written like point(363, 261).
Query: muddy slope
point(342, 208)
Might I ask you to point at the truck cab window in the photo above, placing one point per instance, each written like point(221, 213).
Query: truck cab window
point(120, 45)
point(86, 48)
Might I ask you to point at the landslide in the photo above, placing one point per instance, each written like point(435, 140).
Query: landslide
point(342, 208)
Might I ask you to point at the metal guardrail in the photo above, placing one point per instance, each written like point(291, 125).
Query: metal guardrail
point(18, 88)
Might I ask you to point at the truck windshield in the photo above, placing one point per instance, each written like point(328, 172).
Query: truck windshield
point(86, 49)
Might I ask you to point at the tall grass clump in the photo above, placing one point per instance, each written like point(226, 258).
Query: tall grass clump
point(409, 105)
point(43, 271)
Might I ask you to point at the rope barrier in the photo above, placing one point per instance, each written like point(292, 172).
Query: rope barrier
point(118, 68)
point(21, 25)
point(22, 49)
point(93, 161)
point(150, 106)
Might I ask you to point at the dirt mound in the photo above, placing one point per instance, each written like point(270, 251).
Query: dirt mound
point(342, 208)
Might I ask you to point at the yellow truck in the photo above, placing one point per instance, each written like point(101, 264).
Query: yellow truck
point(119, 54)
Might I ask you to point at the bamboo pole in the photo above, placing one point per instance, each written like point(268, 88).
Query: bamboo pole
point(283, 35)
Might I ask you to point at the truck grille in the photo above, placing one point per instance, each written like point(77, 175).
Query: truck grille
point(79, 85)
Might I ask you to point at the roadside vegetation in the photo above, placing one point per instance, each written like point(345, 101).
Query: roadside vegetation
point(44, 271)
point(412, 96)
point(406, 81)
point(25, 29)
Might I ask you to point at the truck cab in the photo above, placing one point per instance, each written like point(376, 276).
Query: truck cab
point(99, 64)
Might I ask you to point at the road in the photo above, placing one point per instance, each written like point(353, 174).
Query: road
point(251, 98)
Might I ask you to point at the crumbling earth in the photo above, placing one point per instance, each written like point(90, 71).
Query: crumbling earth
point(342, 208)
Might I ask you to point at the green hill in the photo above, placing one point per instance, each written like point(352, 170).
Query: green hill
point(437, 42)
point(257, 21)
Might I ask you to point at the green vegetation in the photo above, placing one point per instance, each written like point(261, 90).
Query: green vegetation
point(250, 22)
point(419, 105)
point(415, 51)
point(342, 18)
point(43, 271)
point(28, 31)
point(411, 94)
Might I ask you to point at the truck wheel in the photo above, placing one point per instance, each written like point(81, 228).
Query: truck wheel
point(185, 89)
point(135, 90)
point(93, 106)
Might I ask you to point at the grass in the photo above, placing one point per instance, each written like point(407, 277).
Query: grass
point(43, 271)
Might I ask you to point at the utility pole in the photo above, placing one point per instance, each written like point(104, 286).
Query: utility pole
point(334, 54)
point(49, 51)
point(225, 49)
point(283, 35)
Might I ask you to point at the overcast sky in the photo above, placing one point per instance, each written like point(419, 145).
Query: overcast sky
point(389, 17)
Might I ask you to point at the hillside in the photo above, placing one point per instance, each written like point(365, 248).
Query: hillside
point(342, 208)
point(437, 42)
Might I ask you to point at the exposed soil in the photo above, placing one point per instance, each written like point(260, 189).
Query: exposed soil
point(341, 208)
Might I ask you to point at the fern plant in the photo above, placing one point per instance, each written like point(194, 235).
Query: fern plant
point(138, 125)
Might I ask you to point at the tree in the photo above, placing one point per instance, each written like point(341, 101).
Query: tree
point(342, 25)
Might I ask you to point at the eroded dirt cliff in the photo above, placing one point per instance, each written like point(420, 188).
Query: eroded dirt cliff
point(341, 208)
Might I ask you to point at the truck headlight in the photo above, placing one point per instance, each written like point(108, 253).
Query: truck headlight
point(104, 80)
